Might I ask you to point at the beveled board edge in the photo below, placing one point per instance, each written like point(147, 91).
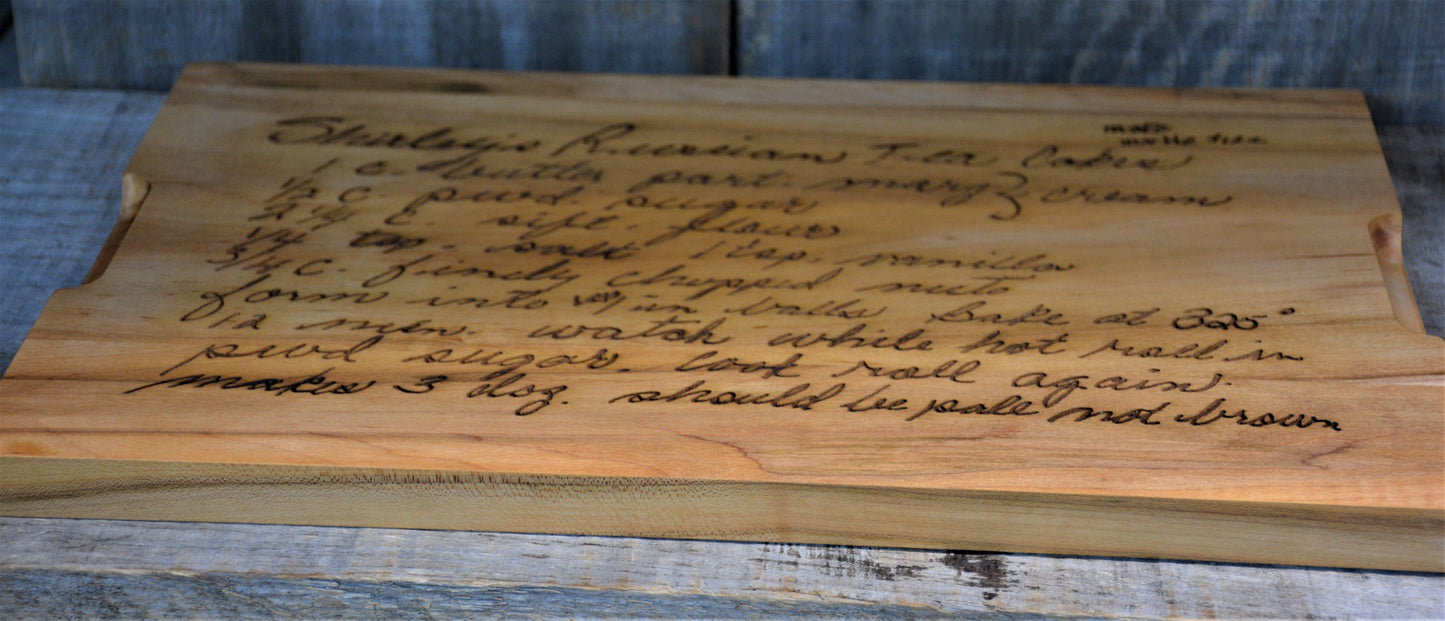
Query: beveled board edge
point(1239, 532)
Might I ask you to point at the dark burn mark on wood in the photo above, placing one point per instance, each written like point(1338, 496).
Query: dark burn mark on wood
point(987, 571)
point(883, 572)
point(845, 561)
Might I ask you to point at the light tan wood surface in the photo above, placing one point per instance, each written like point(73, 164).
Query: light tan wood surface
point(266, 248)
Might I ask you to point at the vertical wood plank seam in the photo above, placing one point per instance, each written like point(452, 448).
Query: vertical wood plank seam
point(732, 41)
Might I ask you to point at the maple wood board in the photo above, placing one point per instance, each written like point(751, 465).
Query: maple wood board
point(1038, 319)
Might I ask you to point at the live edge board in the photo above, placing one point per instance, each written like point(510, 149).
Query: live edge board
point(1146, 323)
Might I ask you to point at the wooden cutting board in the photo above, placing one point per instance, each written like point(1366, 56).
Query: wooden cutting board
point(1069, 320)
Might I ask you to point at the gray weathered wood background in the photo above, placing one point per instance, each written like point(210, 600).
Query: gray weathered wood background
point(1393, 50)
point(142, 44)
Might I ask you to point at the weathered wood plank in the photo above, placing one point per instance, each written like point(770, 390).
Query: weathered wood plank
point(149, 563)
point(1387, 48)
point(145, 43)
point(133, 595)
point(1390, 49)
point(59, 192)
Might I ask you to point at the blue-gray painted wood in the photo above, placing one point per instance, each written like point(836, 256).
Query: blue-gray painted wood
point(1393, 50)
point(143, 44)
point(9, 62)
point(62, 154)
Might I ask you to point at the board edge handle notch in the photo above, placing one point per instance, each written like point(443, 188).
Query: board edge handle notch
point(133, 193)
point(1385, 237)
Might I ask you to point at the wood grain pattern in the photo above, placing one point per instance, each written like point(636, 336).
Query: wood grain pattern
point(145, 43)
point(749, 472)
point(156, 568)
point(727, 510)
point(223, 596)
point(1392, 50)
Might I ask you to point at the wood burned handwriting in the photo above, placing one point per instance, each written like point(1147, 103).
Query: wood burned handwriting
point(661, 267)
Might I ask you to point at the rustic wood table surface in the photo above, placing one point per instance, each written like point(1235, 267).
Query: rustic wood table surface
point(61, 158)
